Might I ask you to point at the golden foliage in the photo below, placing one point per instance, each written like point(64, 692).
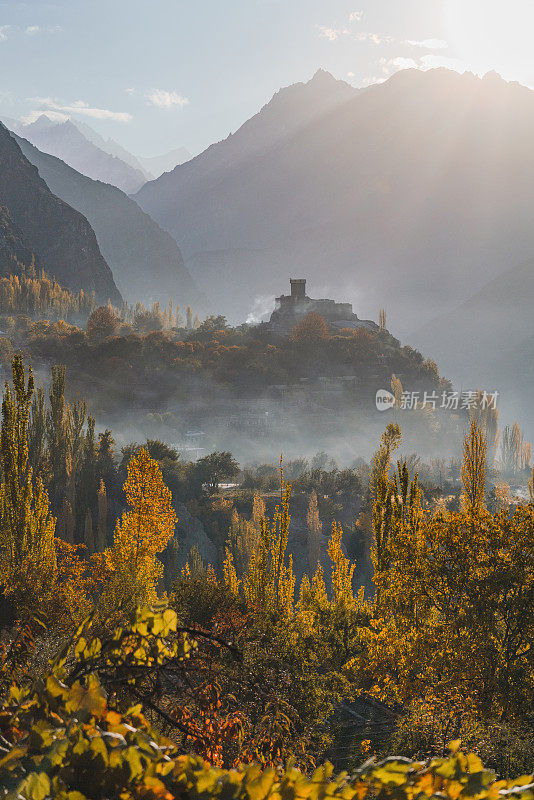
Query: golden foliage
point(63, 737)
point(314, 531)
point(452, 621)
point(27, 565)
point(310, 329)
point(34, 294)
point(143, 531)
point(474, 466)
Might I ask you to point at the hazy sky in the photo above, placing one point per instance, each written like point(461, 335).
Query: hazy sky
point(158, 74)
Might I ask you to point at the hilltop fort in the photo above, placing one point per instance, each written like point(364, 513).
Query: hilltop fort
point(290, 308)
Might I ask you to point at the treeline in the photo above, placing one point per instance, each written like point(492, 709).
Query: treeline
point(180, 366)
point(37, 295)
point(76, 467)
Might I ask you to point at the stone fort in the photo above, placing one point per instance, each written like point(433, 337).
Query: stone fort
point(290, 308)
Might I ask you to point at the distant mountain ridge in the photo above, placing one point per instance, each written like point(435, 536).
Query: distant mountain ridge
point(111, 147)
point(60, 238)
point(409, 195)
point(79, 146)
point(151, 167)
point(157, 165)
point(145, 260)
point(289, 109)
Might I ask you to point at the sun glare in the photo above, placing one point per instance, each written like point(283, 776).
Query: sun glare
point(487, 35)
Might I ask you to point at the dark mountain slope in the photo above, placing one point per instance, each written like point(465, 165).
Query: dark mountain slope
point(145, 260)
point(62, 240)
point(15, 257)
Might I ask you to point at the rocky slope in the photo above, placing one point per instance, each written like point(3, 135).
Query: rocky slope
point(15, 257)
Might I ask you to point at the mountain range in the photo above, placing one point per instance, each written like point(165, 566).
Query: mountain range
point(67, 141)
point(408, 195)
point(82, 148)
point(145, 261)
point(60, 238)
point(151, 167)
point(412, 195)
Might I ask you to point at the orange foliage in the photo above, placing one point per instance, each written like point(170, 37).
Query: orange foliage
point(311, 328)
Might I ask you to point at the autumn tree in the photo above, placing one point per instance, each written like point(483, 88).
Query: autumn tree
point(454, 605)
point(37, 294)
point(26, 527)
point(486, 415)
point(143, 531)
point(311, 328)
point(147, 321)
point(87, 479)
point(243, 537)
point(382, 319)
point(58, 436)
point(103, 323)
point(37, 433)
point(314, 529)
point(512, 449)
point(474, 467)
point(397, 389)
point(188, 318)
point(106, 458)
point(380, 490)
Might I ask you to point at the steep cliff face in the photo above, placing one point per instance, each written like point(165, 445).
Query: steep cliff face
point(62, 240)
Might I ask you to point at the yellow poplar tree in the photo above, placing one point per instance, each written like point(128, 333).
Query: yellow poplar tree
point(270, 581)
point(314, 530)
point(474, 467)
point(28, 562)
point(143, 531)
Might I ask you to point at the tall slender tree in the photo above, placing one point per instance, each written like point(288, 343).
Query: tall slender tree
point(143, 531)
point(27, 528)
point(474, 467)
point(314, 529)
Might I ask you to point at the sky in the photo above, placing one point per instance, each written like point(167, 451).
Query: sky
point(169, 73)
